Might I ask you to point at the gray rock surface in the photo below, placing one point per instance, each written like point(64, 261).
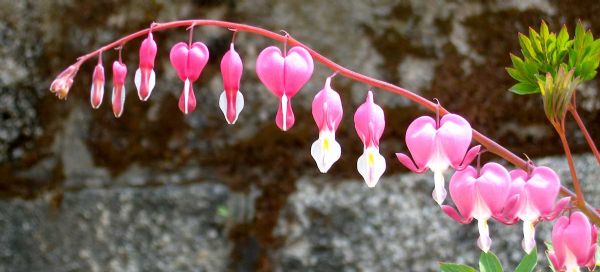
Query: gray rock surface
point(169, 228)
point(50, 150)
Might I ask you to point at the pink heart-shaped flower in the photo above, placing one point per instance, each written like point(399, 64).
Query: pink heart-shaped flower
point(454, 135)
point(189, 61)
point(284, 75)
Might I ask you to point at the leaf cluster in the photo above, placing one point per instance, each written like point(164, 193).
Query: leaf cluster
point(488, 262)
point(545, 52)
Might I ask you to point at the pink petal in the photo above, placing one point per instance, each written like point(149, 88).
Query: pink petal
point(231, 70)
point(509, 214)
point(369, 122)
point(327, 108)
point(452, 213)
point(118, 100)
point(97, 92)
point(420, 139)
point(543, 187)
point(455, 135)
point(148, 52)
point(179, 59)
point(289, 115)
point(298, 70)
point(197, 59)
point(119, 73)
point(269, 68)
point(577, 236)
point(191, 103)
point(462, 190)
point(469, 157)
point(558, 242)
point(493, 186)
point(408, 163)
point(560, 206)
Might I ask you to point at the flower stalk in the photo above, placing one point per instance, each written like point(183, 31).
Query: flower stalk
point(64, 81)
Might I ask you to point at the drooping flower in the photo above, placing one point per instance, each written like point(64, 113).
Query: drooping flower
point(480, 195)
point(97, 89)
point(327, 112)
point(531, 197)
point(231, 100)
point(63, 82)
point(188, 60)
point(145, 78)
point(118, 91)
point(284, 75)
point(574, 242)
point(369, 122)
point(437, 146)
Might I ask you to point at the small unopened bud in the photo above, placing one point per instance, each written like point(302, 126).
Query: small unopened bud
point(63, 82)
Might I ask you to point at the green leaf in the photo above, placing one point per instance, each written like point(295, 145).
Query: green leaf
point(514, 73)
point(488, 262)
point(528, 262)
point(524, 88)
point(452, 267)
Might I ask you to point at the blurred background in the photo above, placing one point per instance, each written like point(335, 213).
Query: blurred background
point(159, 191)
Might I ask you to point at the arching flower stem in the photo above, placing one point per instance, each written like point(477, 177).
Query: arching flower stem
point(486, 142)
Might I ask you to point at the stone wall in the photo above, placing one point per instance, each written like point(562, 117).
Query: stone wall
point(65, 168)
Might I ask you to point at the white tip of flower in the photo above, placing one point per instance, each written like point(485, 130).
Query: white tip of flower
point(186, 95)
point(371, 166)
point(137, 80)
point(325, 151)
point(284, 100)
point(484, 242)
point(151, 83)
point(118, 111)
point(439, 192)
point(528, 242)
point(138, 83)
point(239, 105)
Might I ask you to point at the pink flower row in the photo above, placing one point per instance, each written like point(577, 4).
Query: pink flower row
point(491, 192)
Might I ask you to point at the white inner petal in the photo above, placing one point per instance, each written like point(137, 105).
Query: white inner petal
point(371, 166)
point(137, 79)
point(325, 150)
point(223, 105)
point(284, 100)
point(439, 192)
point(151, 83)
point(239, 105)
point(484, 241)
point(528, 242)
point(186, 95)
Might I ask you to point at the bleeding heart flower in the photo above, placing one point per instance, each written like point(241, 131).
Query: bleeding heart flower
point(369, 122)
point(284, 75)
point(231, 100)
point(97, 90)
point(118, 91)
point(145, 78)
point(438, 145)
point(188, 61)
point(63, 82)
point(574, 242)
point(480, 195)
point(531, 197)
point(327, 112)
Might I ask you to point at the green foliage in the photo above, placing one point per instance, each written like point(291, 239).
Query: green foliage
point(544, 53)
point(488, 262)
point(452, 267)
point(528, 263)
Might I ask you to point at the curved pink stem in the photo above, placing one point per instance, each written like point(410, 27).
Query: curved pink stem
point(486, 142)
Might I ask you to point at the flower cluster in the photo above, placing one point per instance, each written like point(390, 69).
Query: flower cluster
point(484, 193)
